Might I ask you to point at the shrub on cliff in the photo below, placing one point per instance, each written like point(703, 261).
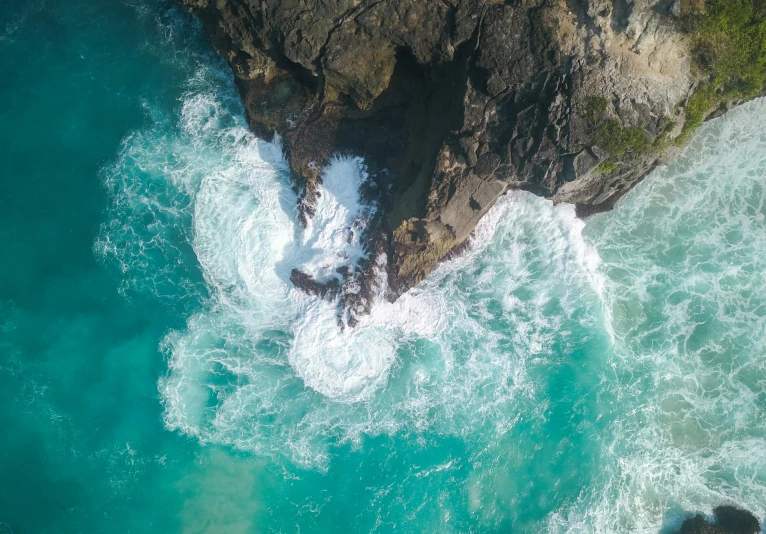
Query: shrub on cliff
point(729, 49)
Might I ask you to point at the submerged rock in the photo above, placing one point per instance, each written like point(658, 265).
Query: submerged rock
point(453, 102)
point(728, 520)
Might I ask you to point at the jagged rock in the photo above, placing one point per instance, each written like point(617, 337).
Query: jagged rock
point(452, 102)
point(728, 520)
point(308, 284)
point(583, 163)
point(487, 164)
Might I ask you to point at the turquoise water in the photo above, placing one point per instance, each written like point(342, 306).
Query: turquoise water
point(159, 374)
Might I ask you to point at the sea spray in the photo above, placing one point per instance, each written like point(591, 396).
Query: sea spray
point(332, 239)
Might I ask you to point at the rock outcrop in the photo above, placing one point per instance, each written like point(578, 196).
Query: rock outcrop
point(453, 102)
point(728, 520)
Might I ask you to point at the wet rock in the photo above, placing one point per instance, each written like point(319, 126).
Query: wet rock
point(452, 102)
point(728, 520)
point(311, 286)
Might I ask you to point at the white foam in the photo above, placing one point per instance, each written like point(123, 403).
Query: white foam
point(266, 368)
point(261, 341)
point(333, 236)
point(683, 257)
point(347, 365)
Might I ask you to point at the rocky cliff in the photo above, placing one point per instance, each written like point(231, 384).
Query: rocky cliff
point(453, 102)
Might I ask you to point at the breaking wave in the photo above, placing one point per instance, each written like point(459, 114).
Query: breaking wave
point(267, 368)
point(643, 331)
point(684, 258)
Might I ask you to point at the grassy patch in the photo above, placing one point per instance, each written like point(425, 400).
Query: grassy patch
point(605, 166)
point(611, 136)
point(730, 45)
point(697, 108)
point(618, 141)
point(729, 54)
point(595, 107)
point(729, 50)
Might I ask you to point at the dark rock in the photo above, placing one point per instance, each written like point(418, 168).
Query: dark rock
point(728, 520)
point(451, 102)
point(470, 146)
point(736, 520)
point(487, 164)
point(698, 525)
point(311, 286)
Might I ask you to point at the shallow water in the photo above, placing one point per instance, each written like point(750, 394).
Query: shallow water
point(159, 373)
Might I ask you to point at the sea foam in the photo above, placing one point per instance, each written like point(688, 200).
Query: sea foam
point(267, 368)
point(683, 262)
point(662, 317)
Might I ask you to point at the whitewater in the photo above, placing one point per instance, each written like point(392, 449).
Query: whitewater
point(560, 375)
point(659, 313)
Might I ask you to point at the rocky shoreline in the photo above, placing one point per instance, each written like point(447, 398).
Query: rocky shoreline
point(454, 102)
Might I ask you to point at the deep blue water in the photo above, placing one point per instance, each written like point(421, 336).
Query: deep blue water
point(158, 373)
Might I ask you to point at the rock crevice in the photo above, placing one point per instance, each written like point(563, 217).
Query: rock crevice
point(453, 102)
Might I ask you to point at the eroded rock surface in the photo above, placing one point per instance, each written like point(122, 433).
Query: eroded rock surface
point(452, 102)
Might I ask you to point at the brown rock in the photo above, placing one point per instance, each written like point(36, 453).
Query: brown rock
point(452, 102)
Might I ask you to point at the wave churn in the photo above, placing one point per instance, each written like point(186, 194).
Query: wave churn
point(527, 334)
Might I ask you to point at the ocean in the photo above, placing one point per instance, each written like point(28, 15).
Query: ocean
point(160, 373)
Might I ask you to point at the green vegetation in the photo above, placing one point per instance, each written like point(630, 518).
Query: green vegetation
point(605, 166)
point(617, 140)
point(729, 52)
point(595, 107)
point(697, 108)
point(729, 47)
point(610, 135)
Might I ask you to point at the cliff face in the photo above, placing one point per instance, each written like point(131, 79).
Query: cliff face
point(452, 102)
